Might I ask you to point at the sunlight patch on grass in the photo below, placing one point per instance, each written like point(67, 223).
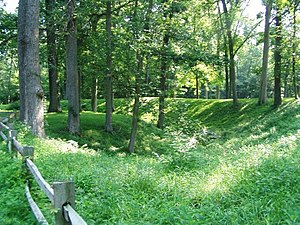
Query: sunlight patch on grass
point(147, 117)
point(231, 171)
point(254, 137)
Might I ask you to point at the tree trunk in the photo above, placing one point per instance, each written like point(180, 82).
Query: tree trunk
point(197, 86)
point(206, 92)
point(163, 79)
point(80, 86)
point(296, 92)
point(232, 74)
point(227, 78)
point(263, 94)
point(218, 92)
point(22, 46)
point(54, 103)
point(226, 58)
point(108, 78)
point(94, 93)
point(72, 71)
point(31, 91)
point(135, 116)
point(277, 59)
point(9, 79)
point(136, 105)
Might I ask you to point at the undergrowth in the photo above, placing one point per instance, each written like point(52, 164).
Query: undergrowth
point(213, 164)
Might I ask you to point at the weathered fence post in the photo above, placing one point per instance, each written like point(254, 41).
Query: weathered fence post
point(11, 135)
point(64, 193)
point(28, 153)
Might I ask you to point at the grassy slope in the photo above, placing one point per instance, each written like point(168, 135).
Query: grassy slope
point(215, 164)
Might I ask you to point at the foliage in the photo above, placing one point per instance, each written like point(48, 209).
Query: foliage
point(14, 208)
point(245, 172)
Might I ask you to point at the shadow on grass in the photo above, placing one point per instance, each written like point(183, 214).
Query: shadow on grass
point(93, 133)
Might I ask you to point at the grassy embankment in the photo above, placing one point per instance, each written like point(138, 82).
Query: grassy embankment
point(215, 164)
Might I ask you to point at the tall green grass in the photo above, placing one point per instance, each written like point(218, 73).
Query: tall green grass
point(214, 164)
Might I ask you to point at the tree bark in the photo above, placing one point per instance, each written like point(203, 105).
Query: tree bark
point(135, 114)
point(227, 78)
point(22, 46)
point(31, 91)
point(72, 71)
point(296, 91)
point(138, 74)
point(54, 103)
point(218, 92)
point(108, 78)
point(277, 59)
point(163, 79)
point(226, 58)
point(94, 93)
point(197, 85)
point(232, 74)
point(263, 95)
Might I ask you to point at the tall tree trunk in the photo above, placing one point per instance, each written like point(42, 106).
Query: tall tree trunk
point(94, 93)
point(163, 79)
point(148, 31)
point(31, 110)
point(263, 94)
point(231, 54)
point(22, 47)
point(135, 114)
point(227, 78)
point(108, 78)
point(197, 85)
point(296, 91)
point(54, 103)
point(206, 91)
point(285, 84)
point(226, 58)
point(9, 79)
point(94, 89)
point(72, 71)
point(277, 59)
point(138, 74)
point(218, 92)
point(80, 87)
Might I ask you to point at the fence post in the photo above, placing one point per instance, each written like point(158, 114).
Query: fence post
point(11, 135)
point(64, 193)
point(28, 153)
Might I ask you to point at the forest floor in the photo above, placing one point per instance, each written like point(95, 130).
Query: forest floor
point(213, 164)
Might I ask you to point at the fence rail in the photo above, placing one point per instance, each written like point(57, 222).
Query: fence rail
point(62, 195)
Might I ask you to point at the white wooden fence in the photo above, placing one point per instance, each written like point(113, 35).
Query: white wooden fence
point(60, 194)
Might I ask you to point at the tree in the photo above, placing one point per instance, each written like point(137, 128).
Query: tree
point(232, 75)
point(72, 71)
point(294, 10)
point(138, 32)
point(54, 103)
point(168, 13)
point(263, 79)
point(31, 92)
point(108, 78)
point(94, 93)
point(277, 56)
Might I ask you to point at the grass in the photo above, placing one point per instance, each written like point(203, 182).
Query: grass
point(14, 208)
point(214, 164)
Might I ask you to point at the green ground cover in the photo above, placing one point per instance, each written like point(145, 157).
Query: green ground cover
point(214, 164)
